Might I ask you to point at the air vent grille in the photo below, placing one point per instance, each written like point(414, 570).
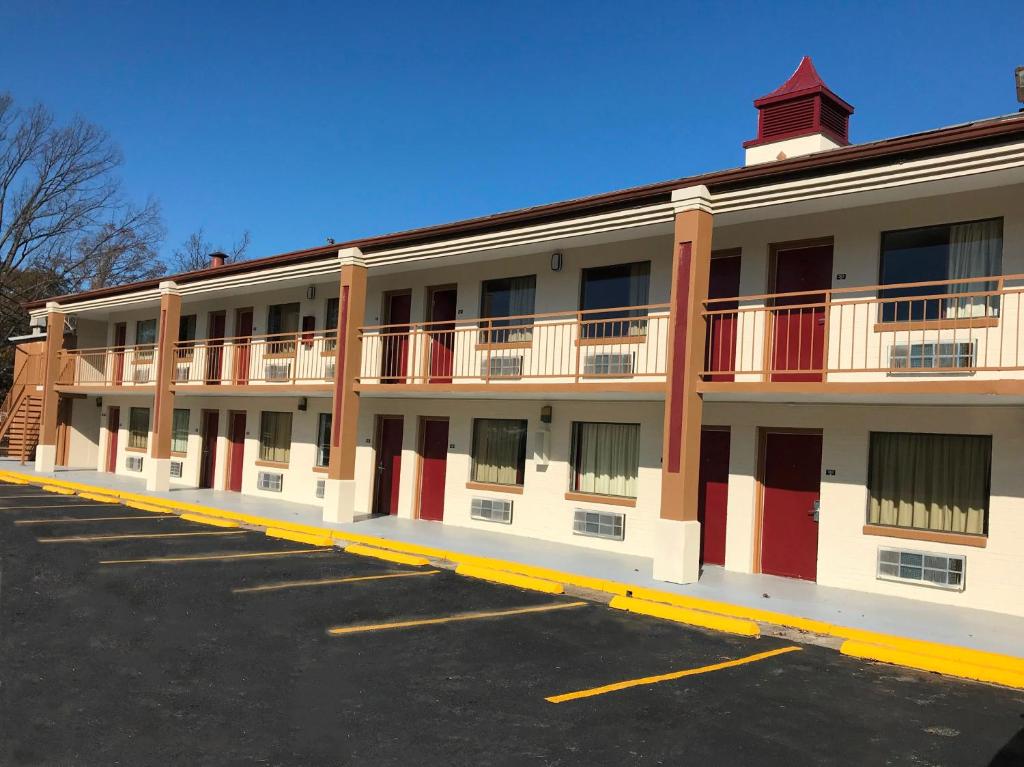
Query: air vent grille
point(942, 355)
point(133, 462)
point(502, 367)
point(491, 510)
point(945, 571)
point(599, 524)
point(321, 487)
point(279, 372)
point(270, 481)
point(609, 364)
point(176, 468)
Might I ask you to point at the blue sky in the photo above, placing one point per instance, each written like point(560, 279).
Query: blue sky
point(306, 120)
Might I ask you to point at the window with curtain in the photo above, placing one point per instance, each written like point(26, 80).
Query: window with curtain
point(187, 328)
point(499, 451)
point(138, 427)
point(605, 458)
point(935, 482)
point(960, 251)
point(179, 430)
point(323, 440)
point(145, 332)
point(331, 314)
point(282, 319)
point(508, 297)
point(275, 436)
point(615, 287)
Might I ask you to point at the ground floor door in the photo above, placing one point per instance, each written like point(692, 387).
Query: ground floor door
point(113, 428)
point(208, 453)
point(791, 488)
point(433, 467)
point(388, 472)
point(236, 450)
point(64, 410)
point(713, 499)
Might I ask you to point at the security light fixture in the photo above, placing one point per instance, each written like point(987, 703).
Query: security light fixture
point(311, 292)
point(99, 402)
point(303, 403)
point(556, 261)
point(545, 414)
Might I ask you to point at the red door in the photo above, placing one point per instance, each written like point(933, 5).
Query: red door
point(442, 334)
point(208, 455)
point(433, 469)
point(243, 343)
point(394, 361)
point(113, 428)
point(215, 348)
point(791, 488)
point(120, 339)
point(236, 456)
point(713, 498)
point(721, 341)
point(389, 465)
point(799, 325)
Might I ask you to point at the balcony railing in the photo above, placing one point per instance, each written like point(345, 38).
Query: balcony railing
point(620, 344)
point(108, 366)
point(919, 331)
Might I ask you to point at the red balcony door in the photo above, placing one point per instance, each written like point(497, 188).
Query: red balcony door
point(236, 450)
point(243, 344)
point(713, 497)
point(388, 473)
point(208, 453)
point(113, 429)
point(442, 334)
point(791, 485)
point(799, 325)
point(394, 360)
point(120, 339)
point(215, 348)
point(433, 467)
point(724, 282)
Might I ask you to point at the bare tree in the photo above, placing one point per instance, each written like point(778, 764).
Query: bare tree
point(194, 253)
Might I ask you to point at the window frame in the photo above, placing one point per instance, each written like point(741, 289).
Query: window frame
point(616, 318)
point(175, 435)
point(323, 441)
point(574, 493)
point(500, 328)
point(521, 453)
point(265, 448)
point(138, 440)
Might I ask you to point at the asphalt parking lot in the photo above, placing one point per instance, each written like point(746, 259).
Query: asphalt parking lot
point(208, 646)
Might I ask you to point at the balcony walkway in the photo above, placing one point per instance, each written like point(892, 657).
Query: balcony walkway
point(977, 629)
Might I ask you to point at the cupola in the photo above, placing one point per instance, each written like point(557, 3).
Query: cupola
point(799, 117)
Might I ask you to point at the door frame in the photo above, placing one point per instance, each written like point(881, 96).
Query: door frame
point(113, 436)
point(421, 433)
point(236, 338)
point(762, 445)
point(428, 296)
point(378, 432)
point(211, 317)
point(385, 321)
point(65, 408)
point(727, 430)
point(231, 452)
point(202, 441)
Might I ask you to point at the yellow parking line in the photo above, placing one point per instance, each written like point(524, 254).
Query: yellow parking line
point(328, 581)
point(197, 557)
point(667, 677)
point(452, 618)
point(59, 506)
point(88, 538)
point(86, 519)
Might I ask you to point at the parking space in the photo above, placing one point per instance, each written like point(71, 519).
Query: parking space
point(238, 648)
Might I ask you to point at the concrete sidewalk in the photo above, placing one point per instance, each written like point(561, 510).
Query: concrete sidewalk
point(976, 629)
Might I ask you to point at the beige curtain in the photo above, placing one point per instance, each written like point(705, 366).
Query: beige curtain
point(522, 291)
point(179, 431)
point(606, 458)
point(930, 481)
point(975, 250)
point(275, 437)
point(499, 451)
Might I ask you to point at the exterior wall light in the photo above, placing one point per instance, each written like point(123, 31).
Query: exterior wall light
point(545, 414)
point(303, 403)
point(556, 261)
point(311, 292)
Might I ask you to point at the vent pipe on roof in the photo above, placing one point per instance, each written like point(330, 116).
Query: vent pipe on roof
point(217, 259)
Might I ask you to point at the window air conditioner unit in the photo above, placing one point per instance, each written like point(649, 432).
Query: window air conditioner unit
point(321, 486)
point(944, 571)
point(272, 481)
point(181, 373)
point(599, 524)
point(502, 367)
point(176, 468)
point(491, 510)
point(140, 375)
point(279, 372)
point(609, 364)
point(133, 462)
point(329, 370)
point(940, 355)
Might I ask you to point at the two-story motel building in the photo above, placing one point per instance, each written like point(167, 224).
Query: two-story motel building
point(810, 366)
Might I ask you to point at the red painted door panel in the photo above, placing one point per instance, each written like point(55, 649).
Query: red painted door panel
point(721, 341)
point(208, 453)
point(120, 339)
point(236, 460)
point(389, 466)
point(713, 497)
point(113, 428)
point(434, 469)
point(442, 335)
point(394, 361)
point(215, 348)
point(799, 327)
point(792, 484)
point(243, 344)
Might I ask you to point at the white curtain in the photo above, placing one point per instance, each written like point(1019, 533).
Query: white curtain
point(522, 292)
point(975, 250)
point(498, 451)
point(606, 458)
point(639, 295)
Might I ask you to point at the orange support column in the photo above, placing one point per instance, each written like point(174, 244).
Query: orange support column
point(158, 478)
point(339, 490)
point(677, 553)
point(46, 449)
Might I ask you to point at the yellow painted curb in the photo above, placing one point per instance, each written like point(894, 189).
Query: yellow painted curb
point(964, 655)
point(510, 579)
point(58, 490)
point(13, 480)
point(685, 615)
point(289, 535)
point(390, 556)
point(212, 521)
point(147, 507)
point(99, 497)
point(901, 657)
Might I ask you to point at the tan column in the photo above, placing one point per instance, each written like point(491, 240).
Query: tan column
point(677, 556)
point(46, 449)
point(339, 491)
point(158, 476)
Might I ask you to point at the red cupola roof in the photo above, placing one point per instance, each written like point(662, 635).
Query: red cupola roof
point(802, 106)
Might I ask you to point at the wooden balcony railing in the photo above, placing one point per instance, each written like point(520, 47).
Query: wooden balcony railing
point(108, 366)
point(284, 358)
point(621, 344)
point(921, 330)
